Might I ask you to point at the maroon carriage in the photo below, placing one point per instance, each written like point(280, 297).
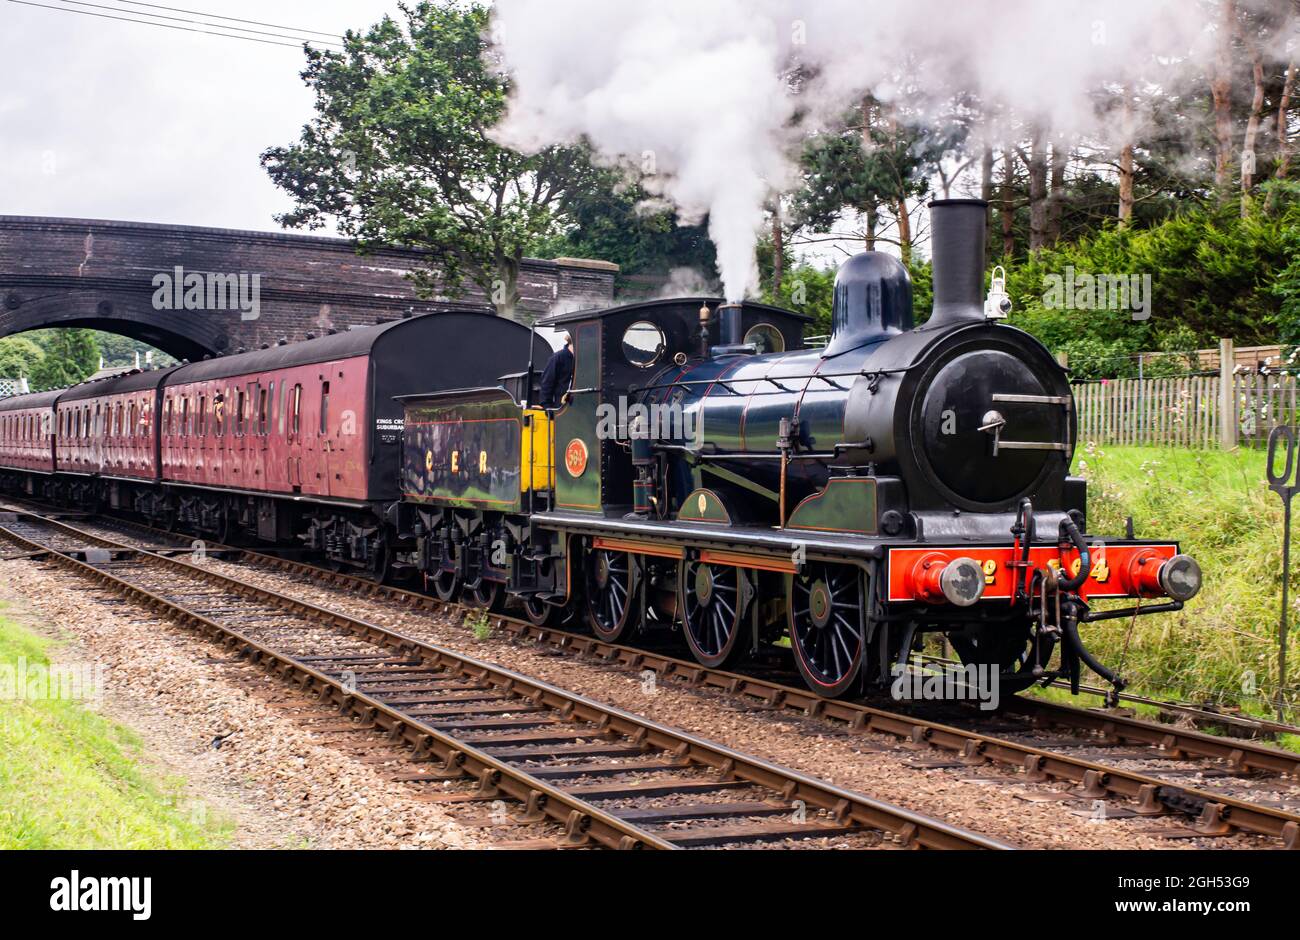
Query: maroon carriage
point(302, 441)
point(27, 432)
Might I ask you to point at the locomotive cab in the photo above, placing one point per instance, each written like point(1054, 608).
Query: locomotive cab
point(628, 368)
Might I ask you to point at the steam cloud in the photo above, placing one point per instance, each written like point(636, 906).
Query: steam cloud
point(697, 94)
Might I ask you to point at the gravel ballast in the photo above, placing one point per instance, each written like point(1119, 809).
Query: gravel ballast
point(282, 784)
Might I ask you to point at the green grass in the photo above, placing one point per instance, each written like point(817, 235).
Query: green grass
point(70, 779)
point(1223, 646)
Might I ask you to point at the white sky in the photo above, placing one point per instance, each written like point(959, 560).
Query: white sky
point(112, 120)
point(104, 119)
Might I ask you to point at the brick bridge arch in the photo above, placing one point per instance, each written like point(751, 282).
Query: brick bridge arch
point(101, 275)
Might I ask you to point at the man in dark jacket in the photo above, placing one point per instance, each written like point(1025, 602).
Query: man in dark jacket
point(558, 376)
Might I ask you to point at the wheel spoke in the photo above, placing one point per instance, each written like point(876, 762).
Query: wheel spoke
point(857, 635)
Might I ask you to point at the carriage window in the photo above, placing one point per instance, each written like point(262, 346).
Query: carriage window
point(284, 403)
point(203, 415)
point(219, 413)
point(132, 418)
point(271, 414)
point(167, 416)
point(643, 344)
point(324, 407)
point(185, 416)
point(297, 409)
point(262, 415)
point(240, 400)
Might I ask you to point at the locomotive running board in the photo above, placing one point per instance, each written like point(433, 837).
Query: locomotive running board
point(774, 545)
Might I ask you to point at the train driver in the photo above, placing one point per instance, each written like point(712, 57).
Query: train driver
point(558, 377)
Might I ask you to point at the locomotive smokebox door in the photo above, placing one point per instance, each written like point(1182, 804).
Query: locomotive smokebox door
point(991, 426)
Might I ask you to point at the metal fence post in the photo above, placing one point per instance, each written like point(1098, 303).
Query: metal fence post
point(1227, 396)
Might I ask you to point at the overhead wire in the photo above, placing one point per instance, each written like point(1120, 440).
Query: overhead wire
point(231, 32)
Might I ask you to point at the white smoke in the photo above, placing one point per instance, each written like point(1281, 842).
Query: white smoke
point(697, 94)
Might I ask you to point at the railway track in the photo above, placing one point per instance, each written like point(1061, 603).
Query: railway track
point(591, 774)
point(1156, 769)
point(1232, 723)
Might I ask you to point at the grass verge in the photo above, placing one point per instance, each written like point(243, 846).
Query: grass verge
point(1223, 646)
point(71, 779)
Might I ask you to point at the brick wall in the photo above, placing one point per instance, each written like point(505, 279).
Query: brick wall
point(100, 274)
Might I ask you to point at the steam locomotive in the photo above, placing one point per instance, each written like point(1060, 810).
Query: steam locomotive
point(708, 472)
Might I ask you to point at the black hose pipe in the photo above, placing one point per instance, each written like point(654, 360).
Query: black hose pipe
point(1070, 534)
point(1070, 630)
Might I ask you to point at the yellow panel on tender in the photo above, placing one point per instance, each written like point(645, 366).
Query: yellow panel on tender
point(538, 451)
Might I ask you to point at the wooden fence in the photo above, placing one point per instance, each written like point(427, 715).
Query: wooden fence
point(1186, 412)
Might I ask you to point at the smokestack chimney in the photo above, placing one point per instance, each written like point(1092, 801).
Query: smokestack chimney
point(958, 230)
point(729, 332)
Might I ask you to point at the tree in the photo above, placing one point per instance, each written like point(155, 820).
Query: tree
point(1221, 93)
point(70, 356)
point(609, 220)
point(19, 356)
point(119, 350)
point(401, 151)
point(875, 159)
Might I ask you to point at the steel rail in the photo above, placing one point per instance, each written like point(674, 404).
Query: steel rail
point(581, 818)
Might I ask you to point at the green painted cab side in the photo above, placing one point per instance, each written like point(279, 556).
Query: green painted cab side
point(576, 421)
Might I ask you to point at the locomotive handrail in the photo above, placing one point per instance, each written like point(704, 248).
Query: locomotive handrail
point(862, 374)
point(737, 455)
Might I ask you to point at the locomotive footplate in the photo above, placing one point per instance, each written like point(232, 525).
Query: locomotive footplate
point(745, 546)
